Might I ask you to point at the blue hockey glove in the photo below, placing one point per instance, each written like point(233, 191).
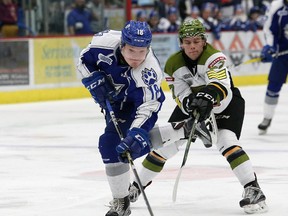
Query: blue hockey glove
point(266, 53)
point(100, 88)
point(136, 142)
point(202, 104)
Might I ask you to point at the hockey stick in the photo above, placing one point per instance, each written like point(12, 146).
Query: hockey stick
point(130, 160)
point(190, 140)
point(258, 59)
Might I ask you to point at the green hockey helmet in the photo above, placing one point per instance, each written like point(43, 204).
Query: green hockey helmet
point(192, 28)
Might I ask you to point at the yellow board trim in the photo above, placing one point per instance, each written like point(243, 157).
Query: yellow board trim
point(23, 96)
point(43, 95)
point(250, 80)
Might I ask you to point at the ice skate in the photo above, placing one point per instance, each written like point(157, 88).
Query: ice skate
point(134, 191)
point(253, 200)
point(119, 207)
point(263, 126)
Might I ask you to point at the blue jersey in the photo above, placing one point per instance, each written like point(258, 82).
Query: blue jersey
point(139, 94)
point(276, 26)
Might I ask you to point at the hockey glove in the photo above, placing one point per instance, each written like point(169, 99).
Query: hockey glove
point(266, 53)
point(187, 103)
point(100, 88)
point(136, 142)
point(202, 104)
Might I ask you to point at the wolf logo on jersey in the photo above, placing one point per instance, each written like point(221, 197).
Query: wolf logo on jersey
point(149, 76)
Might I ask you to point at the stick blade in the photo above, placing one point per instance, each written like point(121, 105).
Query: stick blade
point(175, 189)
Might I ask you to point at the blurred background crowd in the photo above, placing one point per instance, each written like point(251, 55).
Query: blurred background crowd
point(81, 17)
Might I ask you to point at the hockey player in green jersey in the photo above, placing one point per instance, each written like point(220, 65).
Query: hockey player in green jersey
point(201, 85)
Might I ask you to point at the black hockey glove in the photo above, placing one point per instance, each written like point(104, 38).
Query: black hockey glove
point(100, 88)
point(187, 101)
point(202, 104)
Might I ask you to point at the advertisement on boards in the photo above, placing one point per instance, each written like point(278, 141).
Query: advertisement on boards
point(55, 59)
point(14, 63)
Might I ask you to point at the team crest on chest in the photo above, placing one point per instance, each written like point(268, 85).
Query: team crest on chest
point(149, 76)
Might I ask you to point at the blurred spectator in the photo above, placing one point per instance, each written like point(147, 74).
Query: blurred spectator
point(8, 18)
point(168, 24)
point(238, 22)
point(78, 20)
point(163, 7)
point(210, 23)
point(141, 16)
point(134, 3)
point(255, 19)
point(113, 3)
point(23, 29)
point(185, 8)
point(215, 3)
point(262, 4)
point(173, 19)
point(96, 8)
point(21, 20)
point(56, 13)
point(227, 7)
point(154, 21)
point(195, 13)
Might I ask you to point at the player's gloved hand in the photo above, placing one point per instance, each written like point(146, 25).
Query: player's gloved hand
point(100, 88)
point(187, 101)
point(202, 104)
point(137, 143)
point(266, 53)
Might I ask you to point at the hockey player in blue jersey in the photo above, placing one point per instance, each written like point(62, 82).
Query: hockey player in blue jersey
point(276, 35)
point(120, 67)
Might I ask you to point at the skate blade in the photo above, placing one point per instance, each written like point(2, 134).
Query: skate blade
point(258, 208)
point(262, 132)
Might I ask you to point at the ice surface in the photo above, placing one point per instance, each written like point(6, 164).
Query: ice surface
point(50, 164)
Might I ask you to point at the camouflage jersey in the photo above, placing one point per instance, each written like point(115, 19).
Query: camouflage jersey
point(185, 76)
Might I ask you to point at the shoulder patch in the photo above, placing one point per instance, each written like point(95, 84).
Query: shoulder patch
point(149, 76)
point(217, 74)
point(282, 13)
point(217, 63)
point(105, 59)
